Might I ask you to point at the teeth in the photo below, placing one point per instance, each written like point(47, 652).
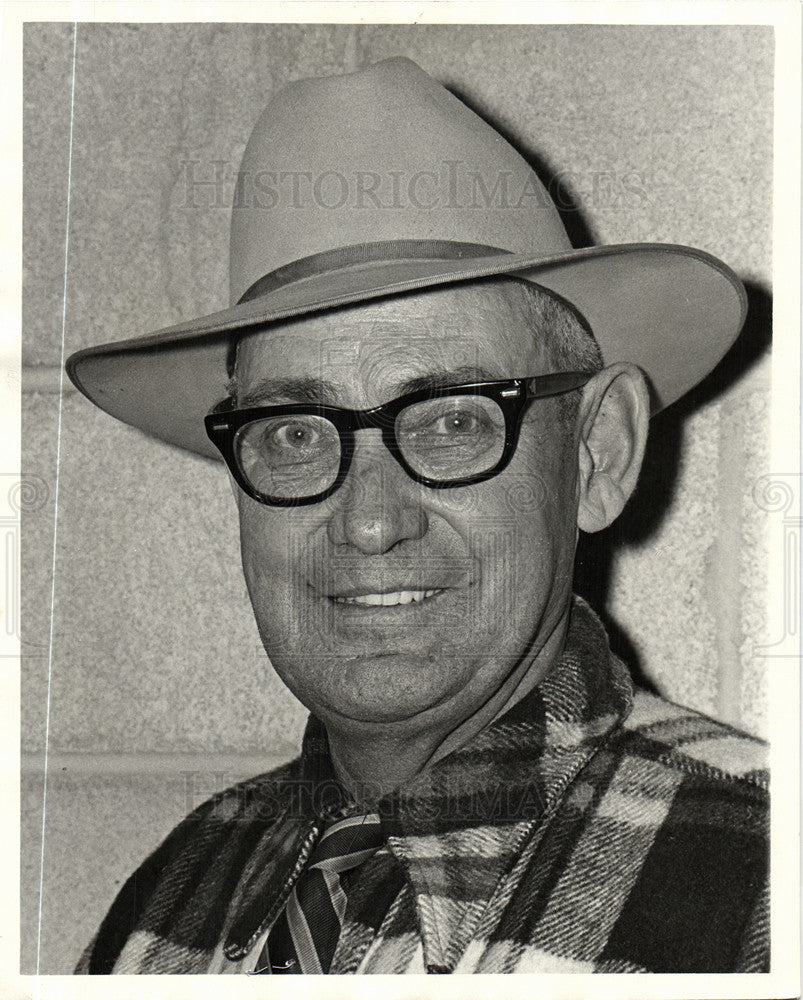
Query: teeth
point(389, 600)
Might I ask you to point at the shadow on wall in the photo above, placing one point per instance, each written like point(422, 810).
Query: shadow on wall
point(656, 486)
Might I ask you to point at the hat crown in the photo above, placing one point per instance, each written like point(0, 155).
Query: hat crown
point(377, 156)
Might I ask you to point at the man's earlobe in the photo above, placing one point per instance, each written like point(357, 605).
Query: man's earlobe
point(614, 418)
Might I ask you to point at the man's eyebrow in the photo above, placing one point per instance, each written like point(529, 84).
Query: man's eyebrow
point(442, 377)
point(305, 389)
point(308, 389)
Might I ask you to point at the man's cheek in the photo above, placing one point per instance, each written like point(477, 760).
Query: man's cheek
point(297, 619)
point(269, 580)
point(269, 549)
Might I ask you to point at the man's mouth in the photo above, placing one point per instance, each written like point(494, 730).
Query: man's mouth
point(388, 600)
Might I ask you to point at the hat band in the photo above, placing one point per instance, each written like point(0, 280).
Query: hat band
point(365, 253)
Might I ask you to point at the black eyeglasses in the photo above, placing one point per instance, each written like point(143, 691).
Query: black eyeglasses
point(300, 453)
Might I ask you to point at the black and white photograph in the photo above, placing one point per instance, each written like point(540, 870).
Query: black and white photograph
point(408, 548)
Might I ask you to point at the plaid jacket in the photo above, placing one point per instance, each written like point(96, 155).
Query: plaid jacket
point(587, 830)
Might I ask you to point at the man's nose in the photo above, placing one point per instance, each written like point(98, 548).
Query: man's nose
point(378, 505)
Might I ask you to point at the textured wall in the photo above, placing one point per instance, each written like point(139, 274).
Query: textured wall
point(160, 691)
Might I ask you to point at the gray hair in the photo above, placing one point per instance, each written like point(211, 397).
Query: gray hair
point(566, 332)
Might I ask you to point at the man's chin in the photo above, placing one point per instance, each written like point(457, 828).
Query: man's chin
point(372, 645)
point(387, 685)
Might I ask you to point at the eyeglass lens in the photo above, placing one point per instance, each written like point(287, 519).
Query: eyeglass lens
point(451, 437)
point(447, 438)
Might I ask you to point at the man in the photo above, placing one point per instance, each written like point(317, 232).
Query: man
point(421, 396)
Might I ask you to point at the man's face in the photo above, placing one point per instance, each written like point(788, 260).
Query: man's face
point(493, 559)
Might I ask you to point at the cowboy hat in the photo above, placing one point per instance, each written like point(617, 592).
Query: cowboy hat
point(381, 182)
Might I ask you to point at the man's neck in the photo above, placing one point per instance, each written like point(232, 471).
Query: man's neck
point(383, 760)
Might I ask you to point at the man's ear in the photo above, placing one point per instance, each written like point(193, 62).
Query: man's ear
point(614, 417)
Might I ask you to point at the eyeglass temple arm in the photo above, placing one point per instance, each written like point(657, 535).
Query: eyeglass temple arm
point(553, 385)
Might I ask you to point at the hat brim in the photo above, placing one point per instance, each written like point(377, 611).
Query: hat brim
point(672, 310)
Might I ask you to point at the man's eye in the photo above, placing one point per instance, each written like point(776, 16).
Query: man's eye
point(458, 423)
point(291, 436)
point(453, 425)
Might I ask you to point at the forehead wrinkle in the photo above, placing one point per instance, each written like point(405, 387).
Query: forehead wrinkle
point(490, 322)
point(307, 389)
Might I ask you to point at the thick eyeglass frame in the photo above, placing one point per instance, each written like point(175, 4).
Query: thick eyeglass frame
point(511, 395)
